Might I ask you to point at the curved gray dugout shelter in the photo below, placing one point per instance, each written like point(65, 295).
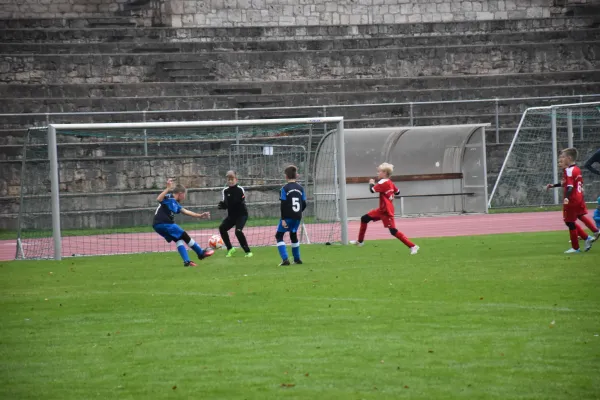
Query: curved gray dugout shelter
point(438, 169)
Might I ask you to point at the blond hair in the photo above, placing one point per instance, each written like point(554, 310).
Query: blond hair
point(387, 168)
point(571, 153)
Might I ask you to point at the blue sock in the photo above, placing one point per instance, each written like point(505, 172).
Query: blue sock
point(296, 250)
point(194, 246)
point(282, 250)
point(182, 251)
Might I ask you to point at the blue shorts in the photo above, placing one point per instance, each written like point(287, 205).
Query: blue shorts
point(293, 225)
point(171, 232)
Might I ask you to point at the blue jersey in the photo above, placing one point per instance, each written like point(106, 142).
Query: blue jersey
point(597, 217)
point(293, 201)
point(166, 210)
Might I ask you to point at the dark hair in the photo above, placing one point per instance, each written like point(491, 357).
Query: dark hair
point(291, 171)
point(570, 152)
point(179, 189)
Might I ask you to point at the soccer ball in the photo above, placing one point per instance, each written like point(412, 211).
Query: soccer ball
point(215, 242)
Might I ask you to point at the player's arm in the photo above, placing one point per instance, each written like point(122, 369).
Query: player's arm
point(283, 198)
point(378, 187)
point(595, 158)
point(303, 200)
point(195, 215)
point(162, 194)
point(553, 185)
point(223, 203)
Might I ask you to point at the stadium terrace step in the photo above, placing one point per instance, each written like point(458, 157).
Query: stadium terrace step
point(292, 65)
point(151, 89)
point(40, 105)
point(86, 35)
point(298, 45)
point(74, 23)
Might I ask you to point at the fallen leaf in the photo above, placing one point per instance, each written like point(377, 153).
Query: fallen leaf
point(285, 373)
point(405, 386)
point(481, 298)
point(306, 374)
point(430, 351)
point(502, 354)
point(288, 385)
point(230, 293)
point(174, 387)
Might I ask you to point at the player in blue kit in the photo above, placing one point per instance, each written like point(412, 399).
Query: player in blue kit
point(164, 222)
point(293, 203)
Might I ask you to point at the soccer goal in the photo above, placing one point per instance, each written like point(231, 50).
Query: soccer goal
point(532, 159)
point(90, 189)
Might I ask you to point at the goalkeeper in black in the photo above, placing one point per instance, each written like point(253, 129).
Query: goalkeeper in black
point(234, 201)
point(595, 158)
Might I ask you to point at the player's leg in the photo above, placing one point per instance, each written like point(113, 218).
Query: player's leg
point(588, 222)
point(390, 223)
point(185, 238)
point(224, 228)
point(589, 240)
point(239, 227)
point(172, 233)
point(570, 217)
point(295, 224)
point(281, 245)
point(372, 215)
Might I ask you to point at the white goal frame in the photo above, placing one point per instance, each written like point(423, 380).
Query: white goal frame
point(53, 158)
point(553, 113)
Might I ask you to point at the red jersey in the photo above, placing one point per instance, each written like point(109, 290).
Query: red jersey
point(572, 177)
point(387, 190)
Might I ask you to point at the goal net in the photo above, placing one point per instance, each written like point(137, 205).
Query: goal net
point(532, 159)
point(90, 189)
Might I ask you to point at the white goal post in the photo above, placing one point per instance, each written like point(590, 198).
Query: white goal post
point(54, 159)
point(532, 158)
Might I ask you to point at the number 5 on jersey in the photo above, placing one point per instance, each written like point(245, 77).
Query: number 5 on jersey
point(296, 204)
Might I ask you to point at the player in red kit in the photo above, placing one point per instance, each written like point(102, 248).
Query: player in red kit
point(574, 207)
point(385, 213)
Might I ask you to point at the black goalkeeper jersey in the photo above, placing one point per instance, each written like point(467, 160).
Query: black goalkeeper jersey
point(234, 198)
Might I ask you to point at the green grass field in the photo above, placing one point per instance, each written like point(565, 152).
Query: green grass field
point(467, 318)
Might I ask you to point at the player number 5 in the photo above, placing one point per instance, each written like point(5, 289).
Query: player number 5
point(296, 204)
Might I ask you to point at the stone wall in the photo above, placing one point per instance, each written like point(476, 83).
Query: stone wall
point(354, 12)
point(146, 12)
point(294, 65)
point(228, 13)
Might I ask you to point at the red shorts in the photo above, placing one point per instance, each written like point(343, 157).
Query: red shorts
point(387, 220)
point(572, 212)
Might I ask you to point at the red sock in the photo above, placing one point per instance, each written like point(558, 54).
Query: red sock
point(582, 234)
point(574, 240)
point(361, 232)
point(402, 237)
point(589, 223)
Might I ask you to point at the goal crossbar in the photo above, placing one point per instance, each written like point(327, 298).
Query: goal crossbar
point(54, 171)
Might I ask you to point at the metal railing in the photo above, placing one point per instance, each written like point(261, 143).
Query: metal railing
point(403, 114)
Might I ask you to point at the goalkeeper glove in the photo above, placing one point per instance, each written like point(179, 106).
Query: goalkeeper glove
point(222, 206)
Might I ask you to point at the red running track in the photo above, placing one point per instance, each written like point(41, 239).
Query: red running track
point(456, 225)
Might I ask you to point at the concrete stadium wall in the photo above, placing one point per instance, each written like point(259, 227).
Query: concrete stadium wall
point(229, 13)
